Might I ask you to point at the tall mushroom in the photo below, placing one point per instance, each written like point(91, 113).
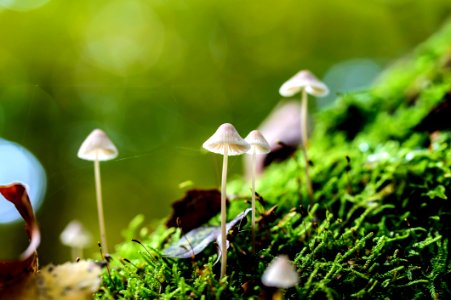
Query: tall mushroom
point(225, 141)
point(306, 83)
point(258, 145)
point(98, 147)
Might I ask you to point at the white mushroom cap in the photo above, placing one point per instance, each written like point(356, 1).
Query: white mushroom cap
point(258, 142)
point(304, 80)
point(97, 146)
point(226, 136)
point(75, 235)
point(280, 273)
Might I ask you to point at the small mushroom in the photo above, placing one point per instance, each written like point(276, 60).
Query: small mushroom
point(76, 237)
point(225, 141)
point(280, 274)
point(306, 83)
point(304, 80)
point(98, 147)
point(258, 145)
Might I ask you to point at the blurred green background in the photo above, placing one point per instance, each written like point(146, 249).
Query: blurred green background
point(159, 77)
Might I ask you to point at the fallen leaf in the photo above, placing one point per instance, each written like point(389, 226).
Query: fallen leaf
point(198, 239)
point(195, 209)
point(14, 270)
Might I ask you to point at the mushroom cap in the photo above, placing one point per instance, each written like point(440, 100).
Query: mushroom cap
point(226, 136)
point(304, 80)
point(258, 142)
point(280, 273)
point(97, 146)
point(75, 235)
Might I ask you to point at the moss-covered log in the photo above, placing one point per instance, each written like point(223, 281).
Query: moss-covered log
point(381, 221)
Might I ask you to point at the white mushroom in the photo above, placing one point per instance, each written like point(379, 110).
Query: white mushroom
point(258, 145)
point(76, 237)
point(98, 147)
point(306, 83)
point(280, 273)
point(225, 141)
point(304, 80)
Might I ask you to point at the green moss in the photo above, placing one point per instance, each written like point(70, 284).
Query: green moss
point(380, 224)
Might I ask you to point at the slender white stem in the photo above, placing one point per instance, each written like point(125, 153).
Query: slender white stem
point(100, 206)
point(77, 252)
point(304, 134)
point(254, 155)
point(224, 214)
point(304, 107)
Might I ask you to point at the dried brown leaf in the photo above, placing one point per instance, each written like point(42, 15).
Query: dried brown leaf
point(195, 209)
point(13, 270)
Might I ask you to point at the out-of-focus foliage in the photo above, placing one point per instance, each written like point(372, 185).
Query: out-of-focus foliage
point(158, 76)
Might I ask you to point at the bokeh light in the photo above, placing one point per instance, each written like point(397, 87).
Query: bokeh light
point(17, 164)
point(22, 5)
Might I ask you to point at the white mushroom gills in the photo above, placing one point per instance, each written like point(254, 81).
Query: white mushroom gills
point(258, 145)
point(280, 273)
point(306, 83)
point(76, 237)
point(98, 147)
point(225, 141)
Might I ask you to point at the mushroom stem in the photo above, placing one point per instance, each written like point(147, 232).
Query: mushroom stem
point(304, 133)
point(76, 253)
point(254, 156)
point(277, 295)
point(100, 206)
point(224, 214)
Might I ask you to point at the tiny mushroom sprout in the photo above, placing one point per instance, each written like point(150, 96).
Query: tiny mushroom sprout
point(225, 141)
point(280, 274)
point(76, 237)
point(98, 147)
point(306, 83)
point(258, 145)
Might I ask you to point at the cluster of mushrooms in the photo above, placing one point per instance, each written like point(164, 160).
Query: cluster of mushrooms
point(227, 142)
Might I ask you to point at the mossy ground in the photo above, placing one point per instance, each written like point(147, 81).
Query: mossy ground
point(379, 227)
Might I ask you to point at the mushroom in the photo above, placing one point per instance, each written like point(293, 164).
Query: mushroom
point(76, 237)
point(280, 274)
point(226, 141)
point(306, 83)
point(98, 147)
point(258, 145)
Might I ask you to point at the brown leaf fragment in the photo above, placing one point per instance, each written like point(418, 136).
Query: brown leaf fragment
point(195, 209)
point(267, 217)
point(13, 270)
